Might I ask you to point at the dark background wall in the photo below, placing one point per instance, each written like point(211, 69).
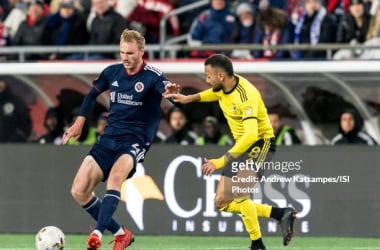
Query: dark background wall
point(35, 185)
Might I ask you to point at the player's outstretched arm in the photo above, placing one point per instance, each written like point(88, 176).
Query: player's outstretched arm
point(75, 130)
point(184, 99)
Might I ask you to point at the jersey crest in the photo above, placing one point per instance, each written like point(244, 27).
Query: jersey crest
point(139, 87)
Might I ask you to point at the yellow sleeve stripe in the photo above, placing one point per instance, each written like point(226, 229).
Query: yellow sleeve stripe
point(243, 94)
point(251, 117)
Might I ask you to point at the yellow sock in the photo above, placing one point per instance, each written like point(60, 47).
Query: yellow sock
point(250, 219)
point(247, 208)
point(263, 210)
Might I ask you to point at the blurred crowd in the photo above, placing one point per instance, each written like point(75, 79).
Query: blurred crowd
point(176, 126)
point(100, 22)
point(263, 22)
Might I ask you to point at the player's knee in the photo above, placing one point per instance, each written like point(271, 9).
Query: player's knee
point(220, 202)
point(78, 195)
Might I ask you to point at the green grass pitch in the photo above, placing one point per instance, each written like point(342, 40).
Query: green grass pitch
point(26, 242)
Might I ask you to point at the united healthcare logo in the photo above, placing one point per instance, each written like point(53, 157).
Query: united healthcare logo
point(202, 216)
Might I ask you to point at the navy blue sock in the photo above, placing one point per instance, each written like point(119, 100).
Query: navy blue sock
point(93, 208)
point(107, 209)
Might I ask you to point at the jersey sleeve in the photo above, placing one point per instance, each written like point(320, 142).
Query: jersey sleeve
point(160, 84)
point(101, 83)
point(208, 96)
point(249, 110)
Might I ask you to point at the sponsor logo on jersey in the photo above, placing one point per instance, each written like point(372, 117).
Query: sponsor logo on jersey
point(139, 86)
point(112, 96)
point(248, 111)
point(115, 84)
point(125, 99)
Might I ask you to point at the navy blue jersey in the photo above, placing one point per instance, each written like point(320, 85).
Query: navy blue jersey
point(134, 100)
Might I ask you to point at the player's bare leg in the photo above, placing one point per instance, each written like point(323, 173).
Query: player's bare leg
point(85, 181)
point(223, 195)
point(119, 173)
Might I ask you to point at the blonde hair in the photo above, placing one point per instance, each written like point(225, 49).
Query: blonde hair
point(374, 27)
point(133, 35)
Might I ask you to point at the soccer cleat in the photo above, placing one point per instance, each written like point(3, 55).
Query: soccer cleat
point(286, 225)
point(257, 245)
point(123, 241)
point(257, 248)
point(93, 242)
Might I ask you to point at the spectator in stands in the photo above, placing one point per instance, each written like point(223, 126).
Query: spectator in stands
point(274, 27)
point(148, 14)
point(373, 35)
point(182, 133)
point(264, 4)
point(213, 26)
point(374, 27)
point(284, 134)
point(187, 18)
point(31, 31)
point(15, 121)
point(2, 12)
point(3, 8)
point(4, 37)
point(15, 17)
point(350, 130)
point(291, 6)
point(294, 9)
point(244, 29)
point(125, 7)
point(354, 25)
point(66, 27)
point(53, 123)
point(105, 28)
point(55, 5)
point(337, 8)
point(314, 26)
point(213, 134)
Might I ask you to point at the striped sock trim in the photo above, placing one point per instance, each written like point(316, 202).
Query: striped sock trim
point(112, 193)
point(91, 203)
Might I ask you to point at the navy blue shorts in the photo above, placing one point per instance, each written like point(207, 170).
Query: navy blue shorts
point(109, 149)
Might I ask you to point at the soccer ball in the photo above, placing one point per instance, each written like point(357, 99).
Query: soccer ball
point(50, 238)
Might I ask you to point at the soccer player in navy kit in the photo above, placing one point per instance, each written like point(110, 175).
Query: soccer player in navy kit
point(136, 91)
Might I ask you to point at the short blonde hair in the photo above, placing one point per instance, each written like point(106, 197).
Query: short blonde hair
point(133, 35)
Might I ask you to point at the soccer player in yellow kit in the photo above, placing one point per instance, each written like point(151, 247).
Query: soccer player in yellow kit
point(248, 121)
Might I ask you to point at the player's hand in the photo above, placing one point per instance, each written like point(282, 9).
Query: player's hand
point(178, 98)
point(208, 168)
point(70, 133)
point(74, 131)
point(171, 88)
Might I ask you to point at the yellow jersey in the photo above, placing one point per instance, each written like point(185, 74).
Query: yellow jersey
point(245, 112)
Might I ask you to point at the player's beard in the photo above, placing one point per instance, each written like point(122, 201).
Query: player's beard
point(132, 65)
point(217, 87)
